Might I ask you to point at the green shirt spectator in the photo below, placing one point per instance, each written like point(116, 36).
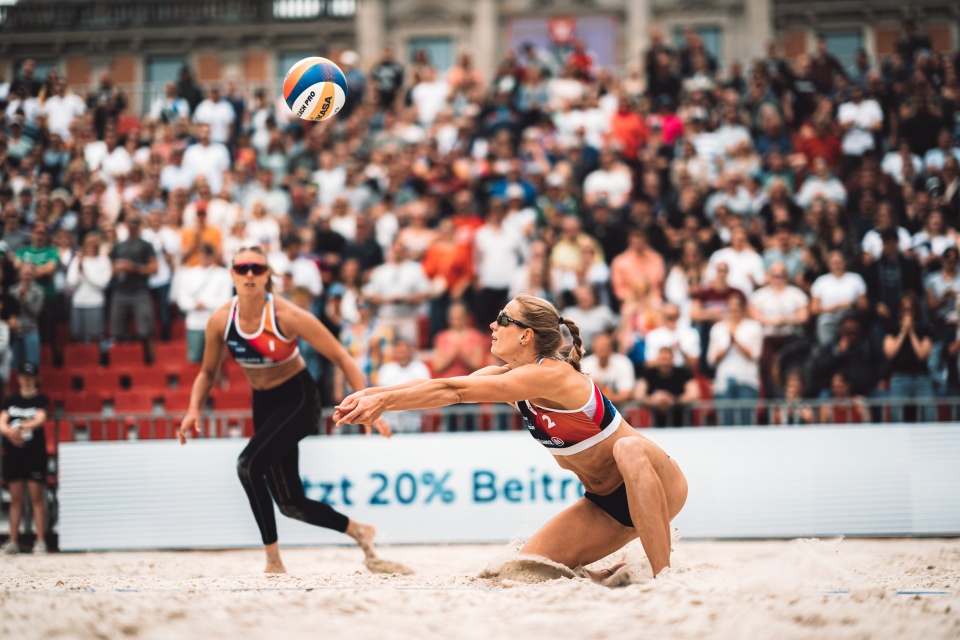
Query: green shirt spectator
point(43, 256)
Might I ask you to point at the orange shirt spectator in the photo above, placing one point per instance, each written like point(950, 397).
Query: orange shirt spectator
point(450, 260)
point(637, 267)
point(629, 129)
point(191, 238)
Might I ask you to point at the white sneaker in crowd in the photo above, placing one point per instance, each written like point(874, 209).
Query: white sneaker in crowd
point(39, 547)
point(9, 548)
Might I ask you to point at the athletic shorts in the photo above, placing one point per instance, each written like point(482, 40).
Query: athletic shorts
point(27, 463)
point(615, 504)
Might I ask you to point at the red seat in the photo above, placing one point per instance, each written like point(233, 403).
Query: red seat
point(133, 410)
point(80, 403)
point(104, 430)
point(157, 428)
point(170, 353)
point(127, 355)
point(85, 410)
point(81, 356)
point(184, 373)
point(233, 373)
point(64, 430)
point(177, 400)
point(149, 380)
point(103, 382)
point(56, 380)
point(133, 402)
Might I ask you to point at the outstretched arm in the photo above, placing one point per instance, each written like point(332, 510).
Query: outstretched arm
point(351, 402)
point(512, 386)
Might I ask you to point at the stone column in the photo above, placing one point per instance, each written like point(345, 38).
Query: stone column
point(637, 36)
point(486, 36)
point(757, 28)
point(370, 24)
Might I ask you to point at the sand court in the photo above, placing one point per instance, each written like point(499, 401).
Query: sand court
point(850, 588)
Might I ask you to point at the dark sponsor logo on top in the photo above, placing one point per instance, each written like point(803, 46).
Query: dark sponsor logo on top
point(324, 108)
point(306, 103)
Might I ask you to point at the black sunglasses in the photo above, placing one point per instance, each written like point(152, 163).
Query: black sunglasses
point(503, 320)
point(244, 268)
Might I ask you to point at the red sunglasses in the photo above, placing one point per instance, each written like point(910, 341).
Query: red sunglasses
point(244, 268)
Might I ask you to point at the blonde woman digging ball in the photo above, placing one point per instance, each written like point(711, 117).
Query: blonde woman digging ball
point(633, 489)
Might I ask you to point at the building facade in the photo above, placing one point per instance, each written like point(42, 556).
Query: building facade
point(145, 43)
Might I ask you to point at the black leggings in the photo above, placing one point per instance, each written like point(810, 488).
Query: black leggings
point(269, 464)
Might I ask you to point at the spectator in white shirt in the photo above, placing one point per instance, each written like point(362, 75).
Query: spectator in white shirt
point(783, 310)
point(117, 160)
point(429, 97)
point(835, 294)
point(263, 229)
point(174, 175)
point(930, 242)
point(170, 108)
point(218, 114)
point(398, 287)
point(592, 318)
point(901, 164)
point(872, 244)
point(611, 182)
point(331, 180)
point(934, 158)
point(88, 275)
point(405, 367)
point(822, 184)
point(275, 199)
point(745, 264)
point(498, 252)
point(61, 109)
point(303, 270)
point(612, 372)
point(860, 120)
point(735, 345)
point(207, 158)
point(682, 340)
point(221, 213)
point(201, 290)
point(733, 195)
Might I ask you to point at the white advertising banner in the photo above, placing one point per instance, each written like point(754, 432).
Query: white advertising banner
point(497, 486)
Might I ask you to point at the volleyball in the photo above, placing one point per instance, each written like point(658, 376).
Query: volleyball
point(315, 89)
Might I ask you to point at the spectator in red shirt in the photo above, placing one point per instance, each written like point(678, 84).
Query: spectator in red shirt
point(580, 60)
point(628, 128)
point(819, 140)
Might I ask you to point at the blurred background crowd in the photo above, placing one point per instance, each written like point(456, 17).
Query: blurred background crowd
point(773, 229)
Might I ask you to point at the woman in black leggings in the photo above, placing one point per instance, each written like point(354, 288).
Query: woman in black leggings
point(261, 333)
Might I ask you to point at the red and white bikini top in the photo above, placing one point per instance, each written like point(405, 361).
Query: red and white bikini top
point(568, 431)
point(265, 348)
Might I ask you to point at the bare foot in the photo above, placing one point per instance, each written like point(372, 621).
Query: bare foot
point(363, 534)
point(275, 567)
point(602, 574)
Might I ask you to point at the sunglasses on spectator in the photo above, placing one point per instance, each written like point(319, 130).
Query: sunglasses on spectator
point(255, 268)
point(504, 320)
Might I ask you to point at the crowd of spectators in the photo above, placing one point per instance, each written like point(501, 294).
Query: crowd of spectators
point(764, 228)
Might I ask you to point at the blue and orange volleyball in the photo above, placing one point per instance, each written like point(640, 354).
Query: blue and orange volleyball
point(315, 89)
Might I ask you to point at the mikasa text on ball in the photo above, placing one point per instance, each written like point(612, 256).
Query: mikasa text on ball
point(315, 89)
